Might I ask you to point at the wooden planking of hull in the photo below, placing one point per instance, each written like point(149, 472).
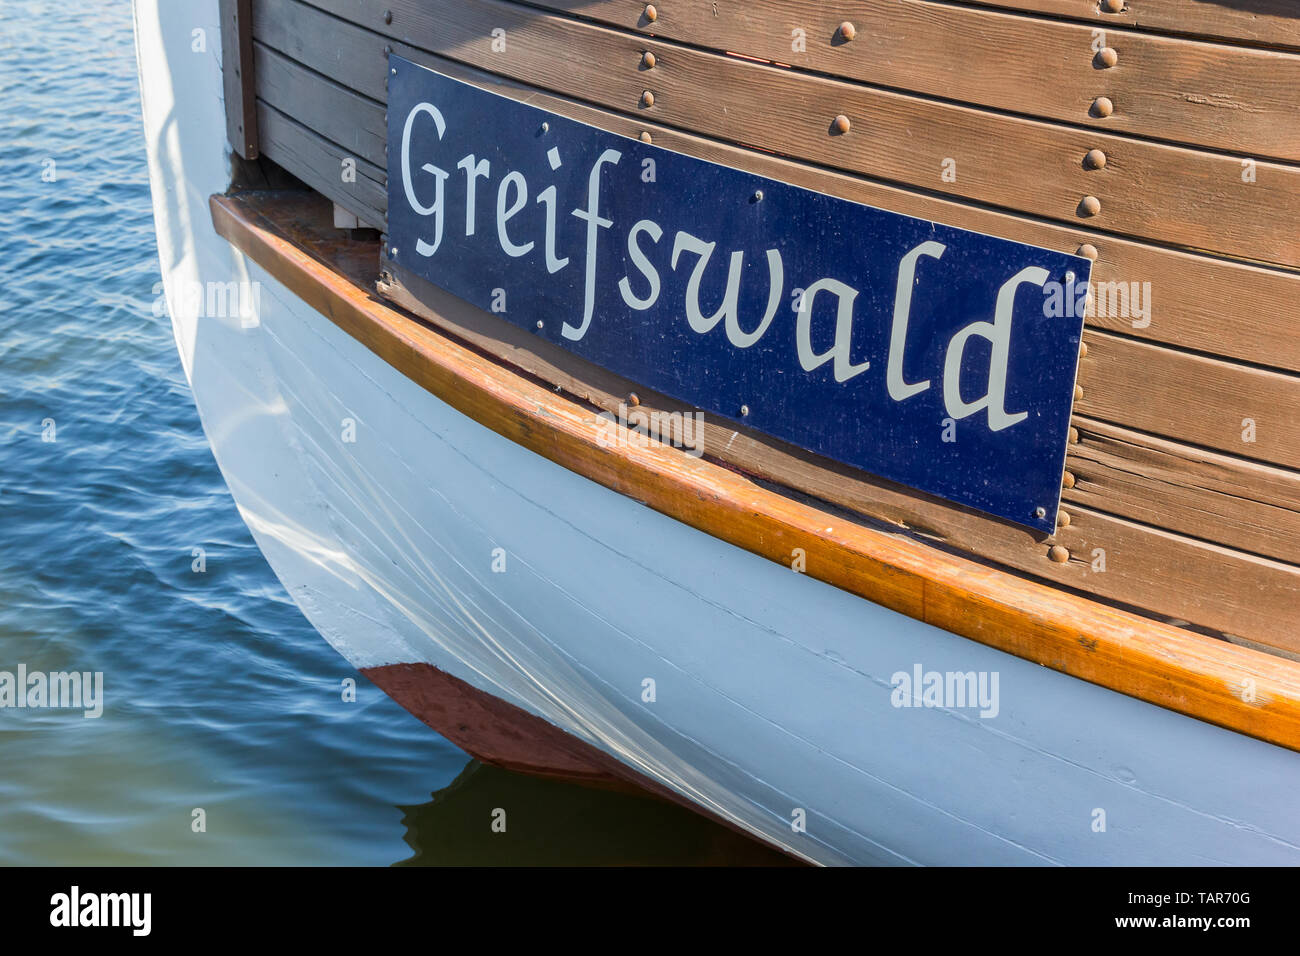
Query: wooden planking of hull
point(1207, 94)
point(1196, 299)
point(1146, 189)
point(1265, 22)
point(1204, 585)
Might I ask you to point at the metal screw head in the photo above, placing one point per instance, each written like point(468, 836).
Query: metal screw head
point(393, 252)
point(1095, 159)
point(1090, 206)
point(540, 324)
point(758, 195)
point(645, 136)
point(393, 71)
point(1069, 276)
point(388, 16)
point(744, 410)
point(648, 60)
point(841, 124)
point(848, 30)
point(1040, 512)
point(546, 127)
point(1102, 106)
point(651, 13)
point(647, 98)
point(388, 48)
point(1107, 57)
point(1088, 251)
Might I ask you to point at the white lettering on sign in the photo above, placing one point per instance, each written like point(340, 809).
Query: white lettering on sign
point(435, 208)
point(833, 322)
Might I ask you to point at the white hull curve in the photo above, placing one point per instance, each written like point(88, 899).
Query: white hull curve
point(772, 690)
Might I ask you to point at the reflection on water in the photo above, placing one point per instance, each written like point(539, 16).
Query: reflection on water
point(491, 817)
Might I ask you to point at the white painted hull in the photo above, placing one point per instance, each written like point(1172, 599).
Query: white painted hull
point(773, 690)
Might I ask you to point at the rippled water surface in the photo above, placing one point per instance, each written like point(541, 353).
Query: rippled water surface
point(219, 695)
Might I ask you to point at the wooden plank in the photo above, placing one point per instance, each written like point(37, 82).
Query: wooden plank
point(1199, 303)
point(238, 76)
point(349, 120)
point(1185, 91)
point(1183, 397)
point(1197, 493)
point(1246, 412)
point(323, 165)
point(1150, 190)
point(1191, 674)
point(1268, 22)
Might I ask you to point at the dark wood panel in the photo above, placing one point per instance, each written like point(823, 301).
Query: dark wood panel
point(321, 164)
point(1222, 97)
point(237, 76)
point(352, 122)
point(1200, 303)
point(1149, 190)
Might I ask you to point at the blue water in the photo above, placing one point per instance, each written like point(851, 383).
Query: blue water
point(219, 696)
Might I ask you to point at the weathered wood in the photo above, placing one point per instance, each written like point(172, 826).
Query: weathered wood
point(1207, 94)
point(1197, 493)
point(1109, 385)
point(1149, 190)
point(1211, 680)
point(1246, 412)
point(347, 119)
point(1200, 303)
point(361, 188)
point(1269, 22)
point(1183, 397)
point(238, 76)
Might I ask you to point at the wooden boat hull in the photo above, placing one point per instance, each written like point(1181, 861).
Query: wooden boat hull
point(382, 507)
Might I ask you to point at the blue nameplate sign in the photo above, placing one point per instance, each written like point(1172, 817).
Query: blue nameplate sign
point(935, 357)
